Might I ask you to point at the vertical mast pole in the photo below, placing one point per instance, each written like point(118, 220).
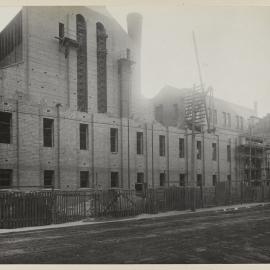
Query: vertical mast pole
point(193, 169)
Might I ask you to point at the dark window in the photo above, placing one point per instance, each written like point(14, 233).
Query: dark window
point(199, 180)
point(84, 179)
point(140, 177)
point(182, 179)
point(161, 145)
point(48, 178)
point(140, 181)
point(114, 140)
point(5, 178)
point(83, 136)
point(159, 113)
point(229, 177)
point(162, 179)
point(61, 31)
point(181, 148)
point(199, 149)
point(48, 132)
point(82, 93)
point(101, 68)
point(214, 179)
point(114, 179)
point(214, 151)
point(139, 143)
point(229, 153)
point(5, 127)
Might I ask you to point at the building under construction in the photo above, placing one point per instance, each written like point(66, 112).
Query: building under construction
point(252, 156)
point(72, 115)
point(253, 160)
point(224, 129)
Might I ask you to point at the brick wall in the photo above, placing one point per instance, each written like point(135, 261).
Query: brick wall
point(46, 77)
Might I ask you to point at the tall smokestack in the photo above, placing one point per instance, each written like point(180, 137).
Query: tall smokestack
point(134, 27)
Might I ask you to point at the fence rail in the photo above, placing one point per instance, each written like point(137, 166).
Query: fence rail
point(35, 208)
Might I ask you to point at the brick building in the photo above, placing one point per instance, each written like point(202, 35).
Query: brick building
point(236, 151)
point(72, 114)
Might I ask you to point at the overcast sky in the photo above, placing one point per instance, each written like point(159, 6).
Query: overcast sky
point(233, 44)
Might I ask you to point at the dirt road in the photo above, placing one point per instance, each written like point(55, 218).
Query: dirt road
point(215, 237)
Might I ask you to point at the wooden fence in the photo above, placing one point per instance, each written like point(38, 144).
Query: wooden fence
point(34, 208)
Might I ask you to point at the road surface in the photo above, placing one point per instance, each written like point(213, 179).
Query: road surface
point(213, 237)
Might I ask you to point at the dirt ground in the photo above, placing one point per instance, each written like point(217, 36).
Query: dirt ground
point(212, 237)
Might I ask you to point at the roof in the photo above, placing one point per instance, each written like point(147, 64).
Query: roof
point(172, 91)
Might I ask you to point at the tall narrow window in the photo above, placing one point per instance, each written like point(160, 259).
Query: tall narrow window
point(241, 122)
point(214, 179)
point(82, 93)
point(48, 132)
point(140, 177)
point(228, 153)
point(114, 140)
point(199, 150)
point(5, 127)
point(5, 178)
point(101, 68)
point(140, 181)
point(237, 121)
point(114, 180)
point(214, 151)
point(83, 136)
point(84, 179)
point(159, 113)
point(229, 120)
point(228, 177)
point(181, 147)
point(215, 121)
point(139, 143)
point(199, 180)
point(48, 178)
point(224, 119)
point(162, 179)
point(210, 116)
point(182, 179)
point(162, 145)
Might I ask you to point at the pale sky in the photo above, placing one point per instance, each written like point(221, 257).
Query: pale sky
point(233, 44)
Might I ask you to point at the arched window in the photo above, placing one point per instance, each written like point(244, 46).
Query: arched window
point(101, 68)
point(82, 95)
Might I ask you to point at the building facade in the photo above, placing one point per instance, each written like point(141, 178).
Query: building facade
point(72, 115)
point(217, 155)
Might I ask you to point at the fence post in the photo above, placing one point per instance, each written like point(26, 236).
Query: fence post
point(95, 204)
point(185, 197)
point(230, 192)
point(242, 193)
point(53, 207)
point(202, 194)
point(216, 194)
point(84, 204)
